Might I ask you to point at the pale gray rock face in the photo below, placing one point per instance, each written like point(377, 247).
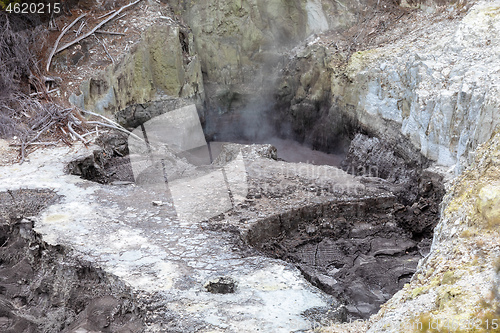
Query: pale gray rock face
point(442, 93)
point(434, 90)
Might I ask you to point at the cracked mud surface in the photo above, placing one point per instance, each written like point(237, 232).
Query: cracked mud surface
point(340, 232)
point(166, 263)
point(356, 238)
point(362, 262)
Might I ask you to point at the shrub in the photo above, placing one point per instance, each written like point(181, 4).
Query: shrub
point(19, 71)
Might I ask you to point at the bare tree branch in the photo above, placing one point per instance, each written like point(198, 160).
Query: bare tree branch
point(119, 128)
point(113, 124)
point(103, 22)
point(76, 134)
point(105, 49)
point(49, 60)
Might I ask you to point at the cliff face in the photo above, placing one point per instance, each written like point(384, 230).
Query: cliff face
point(227, 51)
point(435, 88)
point(233, 36)
point(158, 71)
point(241, 42)
point(441, 95)
point(234, 44)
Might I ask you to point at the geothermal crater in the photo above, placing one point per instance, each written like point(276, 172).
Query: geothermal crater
point(356, 234)
point(278, 189)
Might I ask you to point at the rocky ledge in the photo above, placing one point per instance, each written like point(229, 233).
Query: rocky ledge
point(44, 288)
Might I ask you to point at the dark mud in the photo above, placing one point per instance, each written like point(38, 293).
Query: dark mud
point(364, 253)
point(360, 251)
point(108, 164)
point(43, 288)
point(361, 258)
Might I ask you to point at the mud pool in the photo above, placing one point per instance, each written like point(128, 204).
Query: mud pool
point(357, 238)
point(255, 240)
point(290, 151)
point(165, 262)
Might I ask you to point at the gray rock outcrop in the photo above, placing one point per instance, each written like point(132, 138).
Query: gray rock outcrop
point(160, 73)
point(434, 90)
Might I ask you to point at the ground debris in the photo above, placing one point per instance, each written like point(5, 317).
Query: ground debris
point(221, 285)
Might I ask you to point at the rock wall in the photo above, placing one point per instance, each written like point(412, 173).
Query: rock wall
point(161, 68)
point(435, 89)
point(242, 42)
point(442, 96)
point(234, 35)
point(235, 44)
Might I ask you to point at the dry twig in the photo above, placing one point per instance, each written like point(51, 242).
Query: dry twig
point(76, 134)
point(48, 117)
point(49, 60)
point(109, 33)
point(25, 144)
point(103, 22)
point(112, 124)
point(118, 128)
point(108, 13)
point(40, 132)
point(42, 92)
point(89, 133)
point(35, 144)
point(81, 27)
point(121, 16)
point(105, 49)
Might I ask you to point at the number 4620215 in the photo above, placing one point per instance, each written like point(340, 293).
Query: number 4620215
point(34, 8)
